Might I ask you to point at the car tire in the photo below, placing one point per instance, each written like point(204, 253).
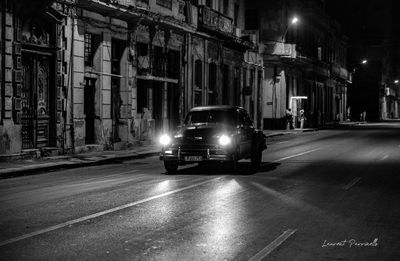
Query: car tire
point(233, 165)
point(171, 166)
point(256, 158)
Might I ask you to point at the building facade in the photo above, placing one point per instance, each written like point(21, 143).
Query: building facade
point(305, 63)
point(84, 75)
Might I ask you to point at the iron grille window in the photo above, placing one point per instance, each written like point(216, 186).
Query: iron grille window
point(165, 3)
point(88, 49)
point(91, 44)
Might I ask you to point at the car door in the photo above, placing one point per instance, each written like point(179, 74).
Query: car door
point(246, 134)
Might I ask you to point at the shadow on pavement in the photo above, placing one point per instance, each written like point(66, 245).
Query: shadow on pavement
point(244, 168)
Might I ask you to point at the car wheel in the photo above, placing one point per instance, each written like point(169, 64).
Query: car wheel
point(171, 166)
point(233, 165)
point(256, 158)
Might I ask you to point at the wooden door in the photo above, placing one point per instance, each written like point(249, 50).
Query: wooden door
point(35, 101)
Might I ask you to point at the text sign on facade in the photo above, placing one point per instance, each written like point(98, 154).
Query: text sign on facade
point(217, 21)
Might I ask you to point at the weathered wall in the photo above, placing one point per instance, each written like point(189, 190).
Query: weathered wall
point(10, 138)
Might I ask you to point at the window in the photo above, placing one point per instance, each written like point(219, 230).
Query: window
point(165, 3)
point(117, 50)
point(142, 96)
point(91, 44)
point(225, 84)
point(251, 19)
point(173, 63)
point(236, 86)
point(244, 119)
point(143, 58)
point(226, 7)
point(236, 15)
point(198, 82)
point(212, 83)
point(88, 49)
point(227, 117)
point(198, 77)
point(158, 68)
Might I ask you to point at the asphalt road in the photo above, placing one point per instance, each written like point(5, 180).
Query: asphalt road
point(326, 195)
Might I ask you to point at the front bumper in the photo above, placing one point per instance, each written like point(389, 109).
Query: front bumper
point(196, 155)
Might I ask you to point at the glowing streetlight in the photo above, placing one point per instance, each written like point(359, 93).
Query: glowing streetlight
point(365, 61)
point(293, 21)
point(396, 81)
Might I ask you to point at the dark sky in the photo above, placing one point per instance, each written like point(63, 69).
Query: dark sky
point(365, 22)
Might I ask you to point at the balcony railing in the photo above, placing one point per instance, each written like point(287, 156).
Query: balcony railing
point(339, 72)
point(281, 49)
point(215, 21)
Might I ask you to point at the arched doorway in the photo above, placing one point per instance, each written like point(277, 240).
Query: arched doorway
point(38, 94)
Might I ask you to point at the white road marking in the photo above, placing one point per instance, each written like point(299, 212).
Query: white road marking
point(282, 142)
point(273, 245)
point(112, 175)
point(352, 183)
point(384, 157)
point(101, 213)
point(296, 155)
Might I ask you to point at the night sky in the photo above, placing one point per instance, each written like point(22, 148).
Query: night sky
point(368, 20)
point(367, 23)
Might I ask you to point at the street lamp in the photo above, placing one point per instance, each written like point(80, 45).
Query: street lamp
point(293, 21)
point(396, 81)
point(363, 62)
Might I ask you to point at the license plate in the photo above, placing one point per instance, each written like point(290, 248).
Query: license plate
point(193, 158)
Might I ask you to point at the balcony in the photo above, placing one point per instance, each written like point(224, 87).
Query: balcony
point(339, 72)
point(283, 50)
point(214, 21)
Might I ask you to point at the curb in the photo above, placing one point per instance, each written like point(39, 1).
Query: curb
point(39, 168)
point(289, 132)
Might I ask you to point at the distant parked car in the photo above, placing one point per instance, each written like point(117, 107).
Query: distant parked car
point(222, 134)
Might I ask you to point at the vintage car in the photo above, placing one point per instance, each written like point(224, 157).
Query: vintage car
point(213, 134)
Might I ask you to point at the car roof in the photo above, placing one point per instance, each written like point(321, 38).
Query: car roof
point(216, 107)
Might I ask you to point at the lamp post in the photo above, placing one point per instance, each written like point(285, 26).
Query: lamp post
point(293, 21)
point(357, 65)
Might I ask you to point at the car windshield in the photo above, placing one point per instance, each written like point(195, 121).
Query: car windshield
point(227, 117)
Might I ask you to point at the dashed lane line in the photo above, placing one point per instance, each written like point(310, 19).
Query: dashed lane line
point(352, 183)
point(102, 213)
point(296, 155)
point(273, 245)
point(384, 157)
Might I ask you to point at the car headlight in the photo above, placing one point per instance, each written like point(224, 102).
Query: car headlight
point(224, 140)
point(165, 139)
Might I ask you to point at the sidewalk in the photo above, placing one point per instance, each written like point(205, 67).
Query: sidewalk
point(12, 168)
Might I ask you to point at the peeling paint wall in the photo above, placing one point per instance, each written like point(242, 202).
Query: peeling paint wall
point(10, 138)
